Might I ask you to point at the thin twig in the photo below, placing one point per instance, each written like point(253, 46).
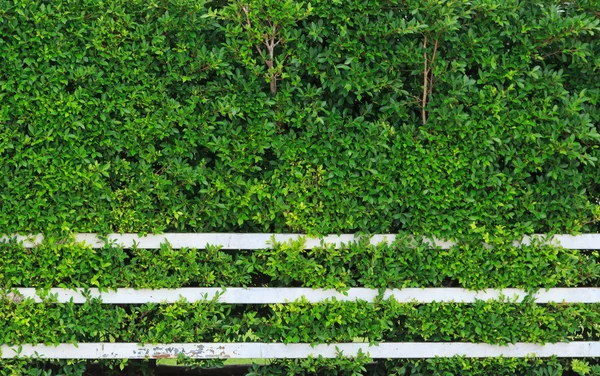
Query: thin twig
point(425, 74)
point(435, 47)
point(246, 10)
point(270, 42)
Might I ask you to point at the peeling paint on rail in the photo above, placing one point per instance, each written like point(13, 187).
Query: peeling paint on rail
point(392, 350)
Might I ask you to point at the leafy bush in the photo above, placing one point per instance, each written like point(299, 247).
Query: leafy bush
point(467, 120)
point(417, 116)
point(495, 322)
point(404, 263)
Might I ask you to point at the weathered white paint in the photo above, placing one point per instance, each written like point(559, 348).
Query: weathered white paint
point(583, 241)
point(272, 295)
point(302, 350)
point(260, 241)
point(200, 240)
point(27, 240)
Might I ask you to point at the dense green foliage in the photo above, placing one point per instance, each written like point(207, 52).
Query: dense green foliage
point(404, 263)
point(469, 120)
point(361, 365)
point(151, 116)
point(496, 322)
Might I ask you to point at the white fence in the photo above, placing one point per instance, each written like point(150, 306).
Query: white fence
point(286, 295)
point(282, 295)
point(261, 241)
point(389, 350)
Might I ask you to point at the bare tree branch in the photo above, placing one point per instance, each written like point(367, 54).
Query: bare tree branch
point(428, 65)
point(246, 10)
point(425, 78)
point(435, 47)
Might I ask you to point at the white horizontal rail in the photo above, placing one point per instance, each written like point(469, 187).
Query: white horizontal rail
point(301, 350)
point(260, 241)
point(274, 295)
point(201, 240)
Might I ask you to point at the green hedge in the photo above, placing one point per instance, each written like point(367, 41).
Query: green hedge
point(341, 366)
point(404, 263)
point(137, 116)
point(467, 120)
point(495, 322)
